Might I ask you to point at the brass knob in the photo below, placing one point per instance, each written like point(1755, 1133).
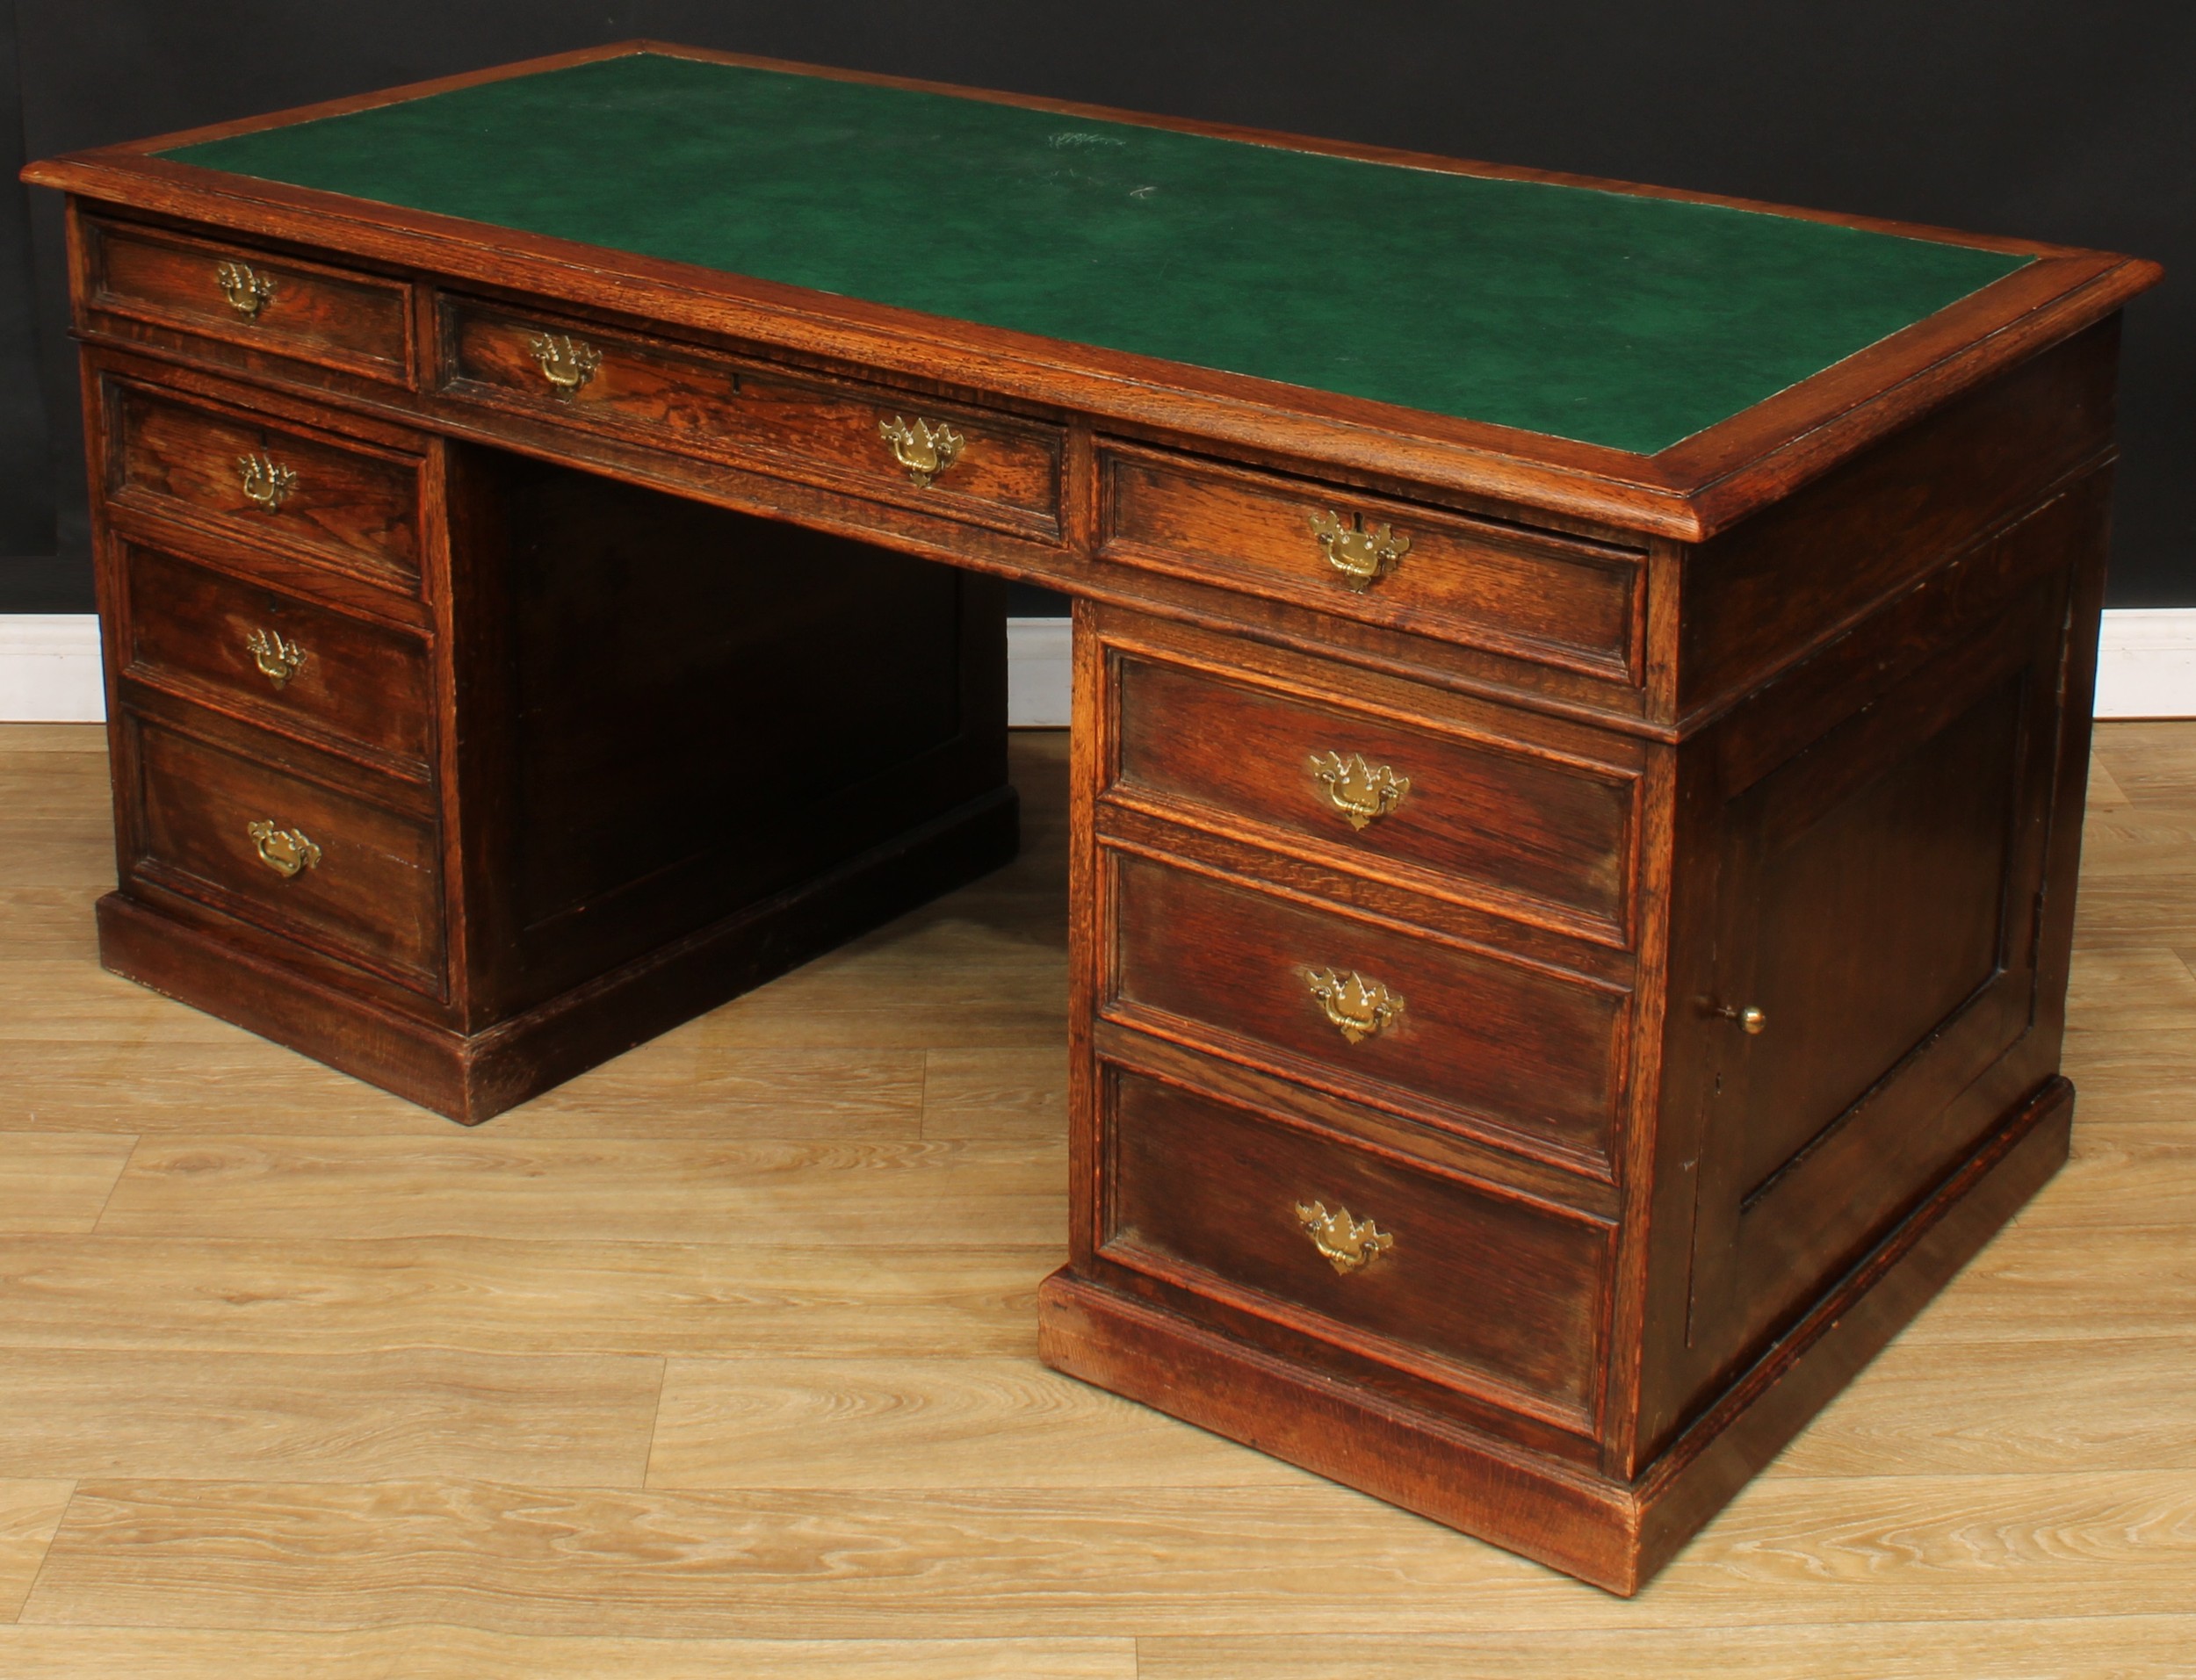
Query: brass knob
point(566, 363)
point(1360, 555)
point(926, 449)
point(1358, 1008)
point(1751, 1020)
point(248, 294)
point(266, 482)
point(1362, 792)
point(278, 660)
point(286, 851)
point(1347, 1244)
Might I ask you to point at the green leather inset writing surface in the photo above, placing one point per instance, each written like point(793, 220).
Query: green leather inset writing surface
point(1598, 316)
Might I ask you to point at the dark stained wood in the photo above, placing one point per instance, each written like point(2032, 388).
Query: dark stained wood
point(1495, 1048)
point(189, 629)
point(751, 412)
point(355, 322)
point(1529, 594)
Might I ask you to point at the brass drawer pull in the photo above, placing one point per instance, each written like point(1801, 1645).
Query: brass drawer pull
point(278, 660)
point(566, 363)
point(925, 448)
point(1359, 1008)
point(248, 294)
point(1751, 1020)
point(1347, 1244)
point(285, 851)
point(1359, 554)
point(1362, 792)
point(265, 481)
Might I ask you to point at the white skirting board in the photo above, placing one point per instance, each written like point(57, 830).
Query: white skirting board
point(49, 668)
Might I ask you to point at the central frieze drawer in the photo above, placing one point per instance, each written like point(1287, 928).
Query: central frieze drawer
point(1395, 1260)
point(1523, 833)
point(340, 500)
point(1401, 566)
point(1497, 1049)
point(969, 463)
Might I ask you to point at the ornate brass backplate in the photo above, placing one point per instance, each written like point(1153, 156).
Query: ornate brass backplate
point(278, 660)
point(1359, 1008)
point(926, 449)
point(248, 294)
point(1347, 1244)
point(265, 481)
point(1362, 792)
point(286, 851)
point(1360, 555)
point(566, 363)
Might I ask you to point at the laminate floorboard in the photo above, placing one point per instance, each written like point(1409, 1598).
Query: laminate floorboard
point(721, 1359)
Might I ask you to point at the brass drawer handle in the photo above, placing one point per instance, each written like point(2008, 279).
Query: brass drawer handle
point(1362, 555)
point(566, 363)
point(278, 660)
point(1362, 792)
point(1347, 1244)
point(1751, 1020)
point(926, 449)
point(285, 851)
point(1359, 1008)
point(266, 482)
point(248, 294)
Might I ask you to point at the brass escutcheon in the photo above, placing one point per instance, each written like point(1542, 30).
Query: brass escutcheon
point(265, 482)
point(1347, 1244)
point(566, 363)
point(1360, 555)
point(1359, 1008)
point(1362, 792)
point(248, 294)
point(925, 448)
point(278, 660)
point(285, 851)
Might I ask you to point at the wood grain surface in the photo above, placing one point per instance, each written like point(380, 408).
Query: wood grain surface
point(721, 1359)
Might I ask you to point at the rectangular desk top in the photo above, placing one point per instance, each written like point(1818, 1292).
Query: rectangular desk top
point(1654, 361)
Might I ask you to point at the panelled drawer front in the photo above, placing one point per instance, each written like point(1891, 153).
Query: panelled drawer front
point(294, 665)
point(1498, 1050)
point(307, 490)
point(1006, 472)
point(357, 322)
point(372, 894)
point(1238, 1204)
point(1526, 595)
point(1494, 824)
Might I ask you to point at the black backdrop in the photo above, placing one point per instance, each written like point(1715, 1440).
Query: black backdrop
point(2070, 120)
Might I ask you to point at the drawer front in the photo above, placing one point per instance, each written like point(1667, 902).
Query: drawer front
point(1392, 564)
point(332, 498)
point(293, 665)
point(356, 322)
point(1354, 1245)
point(1004, 470)
point(1509, 1053)
point(339, 875)
point(1493, 824)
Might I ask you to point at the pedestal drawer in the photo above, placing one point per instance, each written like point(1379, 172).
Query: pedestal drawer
point(337, 499)
point(993, 468)
point(1352, 1245)
point(1530, 834)
point(1405, 567)
point(292, 664)
point(1500, 1049)
point(337, 872)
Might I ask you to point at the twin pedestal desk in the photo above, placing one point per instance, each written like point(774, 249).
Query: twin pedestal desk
point(1581, 699)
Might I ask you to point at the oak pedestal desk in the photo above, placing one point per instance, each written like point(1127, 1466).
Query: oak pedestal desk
point(1581, 693)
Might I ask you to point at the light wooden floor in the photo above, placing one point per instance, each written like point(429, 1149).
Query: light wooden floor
point(719, 1360)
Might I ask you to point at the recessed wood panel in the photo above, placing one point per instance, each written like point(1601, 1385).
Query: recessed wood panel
point(1208, 1193)
point(1529, 594)
point(1492, 1047)
point(1483, 822)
